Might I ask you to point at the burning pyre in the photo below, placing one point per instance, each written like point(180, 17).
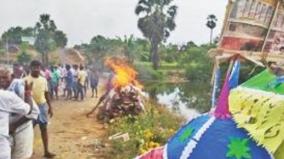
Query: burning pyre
point(123, 95)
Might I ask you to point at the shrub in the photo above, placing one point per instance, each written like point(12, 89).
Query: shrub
point(24, 58)
point(197, 63)
point(147, 73)
point(147, 131)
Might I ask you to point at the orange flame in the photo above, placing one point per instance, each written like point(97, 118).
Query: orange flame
point(124, 74)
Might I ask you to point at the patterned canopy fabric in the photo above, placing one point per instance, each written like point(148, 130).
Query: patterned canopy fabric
point(255, 130)
point(258, 106)
point(208, 137)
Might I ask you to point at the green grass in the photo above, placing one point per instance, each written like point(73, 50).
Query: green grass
point(164, 65)
point(146, 72)
point(148, 130)
point(166, 70)
point(2, 51)
point(169, 66)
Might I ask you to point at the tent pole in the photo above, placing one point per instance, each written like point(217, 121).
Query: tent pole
point(264, 54)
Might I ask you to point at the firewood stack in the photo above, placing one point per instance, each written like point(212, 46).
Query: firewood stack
point(121, 101)
point(123, 95)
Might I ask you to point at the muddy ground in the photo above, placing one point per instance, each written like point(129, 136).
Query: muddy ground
point(72, 134)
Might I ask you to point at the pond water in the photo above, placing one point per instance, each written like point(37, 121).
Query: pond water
point(188, 99)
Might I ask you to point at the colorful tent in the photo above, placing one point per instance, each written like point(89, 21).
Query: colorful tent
point(208, 137)
point(258, 106)
point(212, 136)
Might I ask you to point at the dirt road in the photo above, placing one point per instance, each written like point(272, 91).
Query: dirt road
point(72, 134)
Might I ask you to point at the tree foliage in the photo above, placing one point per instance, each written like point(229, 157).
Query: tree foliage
point(169, 53)
point(211, 24)
point(196, 62)
point(134, 48)
point(60, 38)
point(156, 21)
point(24, 57)
point(129, 47)
point(2, 47)
point(211, 21)
point(48, 37)
point(13, 36)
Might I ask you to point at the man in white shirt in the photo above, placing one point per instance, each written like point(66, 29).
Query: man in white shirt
point(9, 103)
point(23, 135)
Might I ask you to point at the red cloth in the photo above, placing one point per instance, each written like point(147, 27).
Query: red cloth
point(47, 74)
point(222, 109)
point(154, 154)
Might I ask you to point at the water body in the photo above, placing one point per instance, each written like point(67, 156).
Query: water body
point(188, 99)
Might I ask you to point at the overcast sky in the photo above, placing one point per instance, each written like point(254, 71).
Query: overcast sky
point(83, 19)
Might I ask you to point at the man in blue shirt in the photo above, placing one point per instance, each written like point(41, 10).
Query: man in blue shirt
point(69, 79)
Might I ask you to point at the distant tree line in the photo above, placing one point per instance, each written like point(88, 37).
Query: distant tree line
point(156, 21)
point(45, 34)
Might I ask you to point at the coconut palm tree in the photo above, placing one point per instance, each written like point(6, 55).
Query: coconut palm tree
point(211, 24)
point(156, 21)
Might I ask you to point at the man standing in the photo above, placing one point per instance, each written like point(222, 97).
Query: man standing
point(82, 76)
point(45, 72)
point(18, 71)
point(10, 104)
point(69, 82)
point(21, 127)
point(41, 96)
point(55, 78)
point(94, 80)
point(75, 71)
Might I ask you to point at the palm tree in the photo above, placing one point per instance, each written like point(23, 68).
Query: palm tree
point(48, 37)
point(211, 24)
point(43, 36)
point(156, 21)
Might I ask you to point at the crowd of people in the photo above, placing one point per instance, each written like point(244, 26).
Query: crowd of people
point(25, 102)
point(73, 81)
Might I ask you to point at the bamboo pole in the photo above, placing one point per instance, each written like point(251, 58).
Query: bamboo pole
point(225, 24)
point(214, 72)
point(264, 54)
point(256, 56)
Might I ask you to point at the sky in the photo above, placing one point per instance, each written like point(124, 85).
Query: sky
point(83, 19)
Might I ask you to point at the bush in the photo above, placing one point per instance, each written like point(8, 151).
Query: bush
point(24, 58)
point(197, 64)
point(149, 130)
point(169, 66)
point(147, 73)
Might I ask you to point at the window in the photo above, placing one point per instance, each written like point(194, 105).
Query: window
point(252, 10)
point(268, 15)
point(258, 11)
point(246, 8)
point(263, 13)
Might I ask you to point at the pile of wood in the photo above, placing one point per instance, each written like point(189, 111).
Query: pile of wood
point(120, 102)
